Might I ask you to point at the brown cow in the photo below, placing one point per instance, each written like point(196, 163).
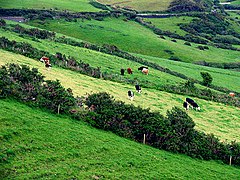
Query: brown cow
point(231, 94)
point(129, 70)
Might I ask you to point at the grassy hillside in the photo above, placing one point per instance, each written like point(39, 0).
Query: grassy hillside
point(140, 5)
point(73, 5)
point(170, 24)
point(39, 145)
point(132, 37)
point(221, 120)
point(109, 64)
point(220, 76)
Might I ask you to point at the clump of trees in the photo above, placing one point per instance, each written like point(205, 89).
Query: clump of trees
point(207, 78)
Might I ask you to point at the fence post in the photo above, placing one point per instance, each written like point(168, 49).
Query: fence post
point(230, 160)
point(144, 138)
point(58, 108)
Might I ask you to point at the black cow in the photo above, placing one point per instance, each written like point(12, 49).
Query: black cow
point(186, 105)
point(189, 100)
point(130, 95)
point(138, 88)
point(195, 106)
point(142, 67)
point(122, 72)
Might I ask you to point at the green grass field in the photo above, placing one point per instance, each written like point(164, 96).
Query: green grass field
point(170, 24)
point(221, 77)
point(73, 5)
point(132, 37)
point(219, 119)
point(40, 145)
point(140, 5)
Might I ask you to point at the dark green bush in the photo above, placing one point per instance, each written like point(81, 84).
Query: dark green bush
point(28, 85)
point(175, 132)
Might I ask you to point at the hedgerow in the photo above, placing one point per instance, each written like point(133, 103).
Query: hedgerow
point(174, 133)
point(28, 85)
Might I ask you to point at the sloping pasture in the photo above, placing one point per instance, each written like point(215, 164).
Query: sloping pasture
point(171, 23)
point(219, 119)
point(108, 63)
point(73, 5)
point(40, 145)
point(140, 5)
point(132, 37)
point(221, 77)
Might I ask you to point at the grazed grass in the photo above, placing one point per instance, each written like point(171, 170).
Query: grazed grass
point(140, 5)
point(41, 145)
point(219, 119)
point(170, 24)
point(132, 37)
point(73, 5)
point(109, 64)
point(221, 77)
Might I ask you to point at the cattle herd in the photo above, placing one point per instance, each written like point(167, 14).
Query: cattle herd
point(188, 103)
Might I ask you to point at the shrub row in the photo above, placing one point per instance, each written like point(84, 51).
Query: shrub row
point(71, 63)
point(174, 133)
point(58, 59)
point(28, 85)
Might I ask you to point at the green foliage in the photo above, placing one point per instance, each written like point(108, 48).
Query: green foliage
point(2, 22)
point(73, 150)
point(28, 85)
point(207, 78)
point(174, 133)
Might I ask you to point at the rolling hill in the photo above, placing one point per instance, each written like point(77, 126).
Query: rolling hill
point(36, 144)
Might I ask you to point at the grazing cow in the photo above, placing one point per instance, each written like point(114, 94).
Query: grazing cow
point(142, 67)
point(122, 72)
point(44, 59)
point(138, 88)
point(189, 100)
point(195, 106)
point(231, 94)
point(145, 71)
point(129, 70)
point(130, 95)
point(186, 105)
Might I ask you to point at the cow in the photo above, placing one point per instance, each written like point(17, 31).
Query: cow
point(142, 67)
point(186, 105)
point(129, 70)
point(189, 100)
point(130, 95)
point(44, 59)
point(138, 88)
point(231, 94)
point(145, 71)
point(195, 106)
point(122, 72)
